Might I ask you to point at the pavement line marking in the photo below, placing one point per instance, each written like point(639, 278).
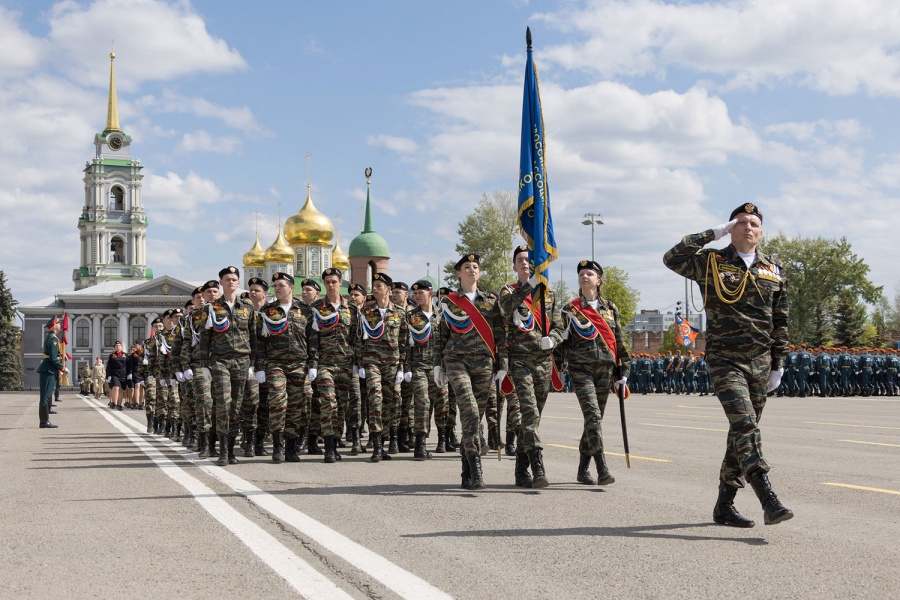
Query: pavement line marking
point(692, 416)
point(394, 577)
point(682, 427)
point(861, 487)
point(850, 425)
point(299, 574)
point(871, 443)
point(613, 453)
point(700, 407)
point(566, 418)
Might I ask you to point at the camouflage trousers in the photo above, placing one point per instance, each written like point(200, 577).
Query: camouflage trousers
point(384, 405)
point(161, 403)
point(203, 402)
point(591, 384)
point(428, 399)
point(250, 404)
point(173, 399)
point(229, 376)
point(262, 411)
point(741, 388)
point(471, 378)
point(531, 376)
point(311, 412)
point(186, 391)
point(285, 383)
point(407, 404)
point(360, 391)
point(336, 398)
point(150, 398)
point(452, 409)
point(513, 414)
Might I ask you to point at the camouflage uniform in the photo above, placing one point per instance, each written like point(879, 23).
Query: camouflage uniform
point(428, 397)
point(333, 355)
point(152, 391)
point(381, 358)
point(167, 339)
point(180, 363)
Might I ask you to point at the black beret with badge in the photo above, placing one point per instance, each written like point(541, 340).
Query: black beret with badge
point(519, 250)
point(283, 277)
point(467, 258)
point(422, 284)
point(311, 283)
point(229, 271)
point(197, 290)
point(749, 208)
point(332, 272)
point(399, 285)
point(383, 278)
point(590, 264)
point(358, 288)
point(260, 282)
point(212, 284)
point(245, 296)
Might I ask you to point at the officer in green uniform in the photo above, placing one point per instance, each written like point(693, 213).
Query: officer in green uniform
point(49, 370)
point(745, 297)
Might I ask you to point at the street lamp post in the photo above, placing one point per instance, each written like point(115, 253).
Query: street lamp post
point(591, 219)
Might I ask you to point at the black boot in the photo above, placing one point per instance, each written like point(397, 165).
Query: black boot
point(186, 436)
point(510, 449)
point(170, 428)
point(466, 474)
point(452, 442)
point(483, 445)
point(355, 445)
point(157, 425)
point(213, 442)
point(604, 477)
point(442, 441)
point(312, 445)
point(290, 450)
point(421, 453)
point(150, 424)
point(177, 428)
point(584, 473)
point(259, 446)
point(475, 469)
point(523, 477)
point(249, 439)
point(377, 447)
point(330, 449)
point(277, 447)
point(403, 440)
point(232, 459)
point(223, 451)
point(302, 439)
point(537, 467)
point(393, 446)
point(493, 438)
point(725, 513)
point(203, 444)
point(775, 511)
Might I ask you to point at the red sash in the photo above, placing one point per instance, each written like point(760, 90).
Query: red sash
point(536, 311)
point(478, 321)
point(600, 323)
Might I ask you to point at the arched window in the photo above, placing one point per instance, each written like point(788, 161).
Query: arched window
point(116, 198)
point(82, 333)
point(117, 251)
point(138, 330)
point(110, 333)
point(313, 262)
point(299, 264)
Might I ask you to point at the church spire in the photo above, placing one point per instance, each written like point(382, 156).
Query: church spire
point(368, 223)
point(112, 109)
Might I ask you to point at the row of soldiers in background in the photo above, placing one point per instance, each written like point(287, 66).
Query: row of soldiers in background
point(669, 374)
point(840, 372)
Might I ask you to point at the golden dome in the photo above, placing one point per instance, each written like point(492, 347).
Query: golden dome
point(280, 251)
point(339, 259)
point(256, 257)
point(309, 226)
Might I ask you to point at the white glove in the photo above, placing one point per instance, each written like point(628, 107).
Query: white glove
point(722, 230)
point(173, 382)
point(501, 374)
point(109, 380)
point(251, 372)
point(533, 281)
point(261, 376)
point(439, 376)
point(188, 374)
point(150, 379)
point(407, 377)
point(361, 372)
point(399, 378)
point(207, 373)
point(129, 377)
point(774, 380)
point(312, 374)
point(146, 362)
point(355, 371)
point(621, 383)
point(179, 376)
point(65, 369)
point(547, 343)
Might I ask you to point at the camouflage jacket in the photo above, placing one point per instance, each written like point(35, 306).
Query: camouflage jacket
point(227, 334)
point(457, 337)
point(422, 336)
point(585, 347)
point(523, 332)
point(756, 323)
point(284, 339)
point(148, 370)
point(382, 339)
point(165, 343)
point(336, 331)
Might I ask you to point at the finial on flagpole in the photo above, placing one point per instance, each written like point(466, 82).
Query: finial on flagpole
point(528, 37)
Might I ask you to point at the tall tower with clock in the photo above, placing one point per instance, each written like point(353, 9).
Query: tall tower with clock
point(113, 226)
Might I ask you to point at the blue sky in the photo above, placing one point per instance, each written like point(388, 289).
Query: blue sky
point(662, 116)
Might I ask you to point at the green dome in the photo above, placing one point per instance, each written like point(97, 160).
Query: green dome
point(369, 243)
point(434, 282)
point(148, 273)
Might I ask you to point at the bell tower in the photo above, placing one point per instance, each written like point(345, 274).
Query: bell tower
point(113, 224)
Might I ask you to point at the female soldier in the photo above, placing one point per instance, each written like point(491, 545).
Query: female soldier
point(595, 350)
point(116, 376)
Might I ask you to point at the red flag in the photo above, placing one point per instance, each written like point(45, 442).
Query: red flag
point(65, 327)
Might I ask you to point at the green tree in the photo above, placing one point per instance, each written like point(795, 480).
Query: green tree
point(489, 231)
point(10, 340)
point(669, 344)
point(616, 288)
point(819, 271)
point(849, 321)
point(562, 292)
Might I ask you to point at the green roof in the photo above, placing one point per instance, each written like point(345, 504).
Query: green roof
point(118, 162)
point(369, 243)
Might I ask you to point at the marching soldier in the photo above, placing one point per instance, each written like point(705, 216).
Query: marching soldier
point(471, 348)
point(181, 358)
point(311, 415)
point(357, 299)
point(198, 372)
point(400, 298)
point(747, 312)
point(154, 422)
point(253, 425)
point(50, 368)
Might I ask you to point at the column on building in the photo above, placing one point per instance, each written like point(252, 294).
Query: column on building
point(123, 331)
point(96, 336)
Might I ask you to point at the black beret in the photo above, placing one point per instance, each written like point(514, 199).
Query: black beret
point(283, 276)
point(358, 288)
point(467, 258)
point(178, 312)
point(169, 312)
point(212, 284)
point(156, 321)
point(399, 285)
point(749, 208)
point(188, 303)
point(445, 291)
point(198, 290)
point(519, 250)
point(229, 271)
point(245, 296)
point(383, 278)
point(422, 284)
point(311, 283)
point(590, 264)
point(332, 271)
point(260, 282)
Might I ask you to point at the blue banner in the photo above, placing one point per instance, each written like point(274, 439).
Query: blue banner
point(535, 221)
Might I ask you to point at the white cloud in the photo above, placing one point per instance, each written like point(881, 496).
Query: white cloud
point(19, 51)
point(177, 201)
point(240, 118)
point(400, 145)
point(202, 141)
